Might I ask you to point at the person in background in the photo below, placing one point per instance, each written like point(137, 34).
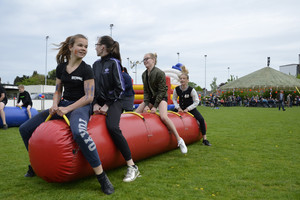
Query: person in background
point(76, 80)
point(110, 86)
point(280, 99)
point(290, 100)
point(264, 102)
point(188, 101)
point(216, 102)
point(128, 95)
point(24, 96)
point(3, 102)
point(239, 100)
point(156, 97)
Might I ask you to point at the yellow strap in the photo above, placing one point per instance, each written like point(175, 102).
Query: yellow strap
point(170, 111)
point(48, 118)
point(135, 113)
point(66, 119)
point(157, 113)
point(64, 116)
point(190, 114)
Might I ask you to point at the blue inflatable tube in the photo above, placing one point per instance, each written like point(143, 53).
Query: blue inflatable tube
point(16, 116)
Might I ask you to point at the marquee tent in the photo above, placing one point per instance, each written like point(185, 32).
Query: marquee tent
point(263, 79)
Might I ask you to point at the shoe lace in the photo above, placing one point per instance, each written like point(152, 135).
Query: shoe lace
point(130, 172)
point(107, 183)
point(180, 143)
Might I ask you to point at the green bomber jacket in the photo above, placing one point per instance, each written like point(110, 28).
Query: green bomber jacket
point(155, 87)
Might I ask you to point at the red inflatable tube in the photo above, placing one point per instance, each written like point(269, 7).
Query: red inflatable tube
point(55, 157)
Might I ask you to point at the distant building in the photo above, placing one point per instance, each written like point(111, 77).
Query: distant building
point(41, 95)
point(291, 69)
point(11, 90)
point(40, 88)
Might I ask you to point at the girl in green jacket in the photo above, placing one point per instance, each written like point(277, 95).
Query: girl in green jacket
point(156, 97)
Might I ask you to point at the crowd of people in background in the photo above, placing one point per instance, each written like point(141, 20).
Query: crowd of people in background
point(250, 101)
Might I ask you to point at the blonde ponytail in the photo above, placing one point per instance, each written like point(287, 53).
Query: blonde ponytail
point(184, 71)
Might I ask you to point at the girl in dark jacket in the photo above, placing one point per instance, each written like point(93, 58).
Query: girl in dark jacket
point(109, 87)
point(156, 97)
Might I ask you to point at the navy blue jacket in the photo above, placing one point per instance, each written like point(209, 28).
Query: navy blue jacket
point(128, 85)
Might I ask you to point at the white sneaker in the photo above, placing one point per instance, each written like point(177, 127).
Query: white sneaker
point(131, 174)
point(182, 146)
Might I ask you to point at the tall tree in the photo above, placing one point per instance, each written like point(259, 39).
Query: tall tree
point(213, 85)
point(20, 79)
point(192, 84)
point(195, 86)
point(52, 75)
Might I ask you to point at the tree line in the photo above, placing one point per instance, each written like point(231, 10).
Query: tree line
point(36, 79)
point(39, 79)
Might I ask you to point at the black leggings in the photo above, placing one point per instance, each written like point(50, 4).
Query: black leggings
point(113, 125)
point(200, 119)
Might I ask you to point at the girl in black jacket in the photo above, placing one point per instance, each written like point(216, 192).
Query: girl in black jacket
point(109, 87)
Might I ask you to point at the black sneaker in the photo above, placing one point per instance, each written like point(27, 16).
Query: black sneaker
point(106, 186)
point(30, 172)
point(206, 142)
point(5, 126)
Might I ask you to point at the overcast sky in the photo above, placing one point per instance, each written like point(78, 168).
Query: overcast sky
point(234, 34)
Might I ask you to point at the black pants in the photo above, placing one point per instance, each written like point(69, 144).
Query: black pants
point(113, 125)
point(281, 104)
point(199, 118)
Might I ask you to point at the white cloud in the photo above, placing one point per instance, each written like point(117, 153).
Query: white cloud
point(235, 34)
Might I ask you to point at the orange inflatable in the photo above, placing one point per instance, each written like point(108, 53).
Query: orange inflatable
point(55, 157)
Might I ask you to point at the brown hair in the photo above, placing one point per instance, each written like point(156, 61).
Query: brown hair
point(64, 52)
point(21, 86)
point(113, 47)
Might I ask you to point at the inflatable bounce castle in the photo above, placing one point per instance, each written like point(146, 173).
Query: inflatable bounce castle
point(172, 81)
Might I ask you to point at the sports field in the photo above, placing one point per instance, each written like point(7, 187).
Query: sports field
point(255, 154)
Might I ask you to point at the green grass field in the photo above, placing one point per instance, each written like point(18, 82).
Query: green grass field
point(255, 154)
